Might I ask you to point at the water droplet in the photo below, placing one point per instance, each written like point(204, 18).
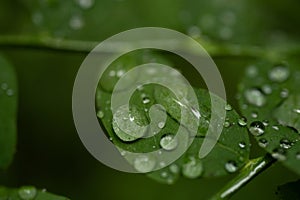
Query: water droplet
point(263, 143)
point(297, 111)
point(279, 154)
point(242, 145)
point(146, 100)
point(231, 167)
point(285, 143)
point(161, 125)
point(251, 71)
point(257, 128)
point(85, 4)
point(298, 155)
point(242, 121)
point(193, 168)
point(279, 74)
point(164, 174)
point(284, 93)
point(169, 142)
point(27, 192)
point(228, 107)
point(9, 92)
point(76, 22)
point(100, 114)
point(267, 89)
point(120, 73)
point(255, 97)
point(174, 169)
point(4, 86)
point(266, 123)
point(227, 124)
point(254, 115)
point(144, 163)
point(162, 164)
point(194, 31)
point(276, 128)
point(123, 153)
point(37, 18)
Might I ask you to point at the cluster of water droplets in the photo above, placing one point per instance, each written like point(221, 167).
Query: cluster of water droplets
point(6, 89)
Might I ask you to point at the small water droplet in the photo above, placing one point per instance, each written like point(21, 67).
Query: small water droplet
point(146, 100)
point(123, 153)
point(263, 143)
point(27, 192)
point(9, 92)
point(193, 168)
point(267, 89)
point(227, 124)
point(228, 107)
point(161, 125)
point(164, 174)
point(298, 155)
point(255, 97)
point(284, 93)
point(169, 142)
point(76, 22)
point(242, 145)
point(266, 123)
point(242, 121)
point(4, 86)
point(162, 164)
point(85, 4)
point(254, 115)
point(285, 143)
point(120, 73)
point(251, 71)
point(297, 110)
point(144, 163)
point(276, 128)
point(231, 166)
point(112, 73)
point(279, 154)
point(174, 169)
point(100, 114)
point(257, 128)
point(279, 74)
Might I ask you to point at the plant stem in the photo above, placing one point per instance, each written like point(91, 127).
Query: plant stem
point(214, 49)
point(250, 170)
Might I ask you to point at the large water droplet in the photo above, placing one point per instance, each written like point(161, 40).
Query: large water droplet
point(193, 168)
point(227, 124)
point(27, 192)
point(242, 121)
point(263, 143)
point(255, 97)
point(231, 166)
point(169, 142)
point(257, 128)
point(144, 163)
point(279, 74)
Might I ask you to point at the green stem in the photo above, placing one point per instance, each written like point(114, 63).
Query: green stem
point(215, 50)
point(250, 170)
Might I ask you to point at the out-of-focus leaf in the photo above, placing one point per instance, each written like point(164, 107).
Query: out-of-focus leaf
point(289, 191)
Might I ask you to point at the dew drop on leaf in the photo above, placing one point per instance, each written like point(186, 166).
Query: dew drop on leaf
point(298, 155)
point(193, 168)
point(9, 92)
point(146, 100)
point(231, 167)
point(227, 124)
point(85, 4)
point(279, 154)
point(242, 121)
point(242, 145)
point(251, 71)
point(255, 97)
point(267, 89)
point(168, 142)
point(174, 168)
point(27, 192)
point(144, 163)
point(284, 93)
point(285, 143)
point(257, 128)
point(263, 143)
point(279, 74)
point(100, 114)
point(76, 22)
point(228, 107)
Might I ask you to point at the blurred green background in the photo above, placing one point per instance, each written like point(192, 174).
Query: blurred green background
point(50, 154)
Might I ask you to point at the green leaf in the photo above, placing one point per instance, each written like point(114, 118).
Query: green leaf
point(230, 153)
point(8, 104)
point(269, 99)
point(289, 191)
point(27, 193)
